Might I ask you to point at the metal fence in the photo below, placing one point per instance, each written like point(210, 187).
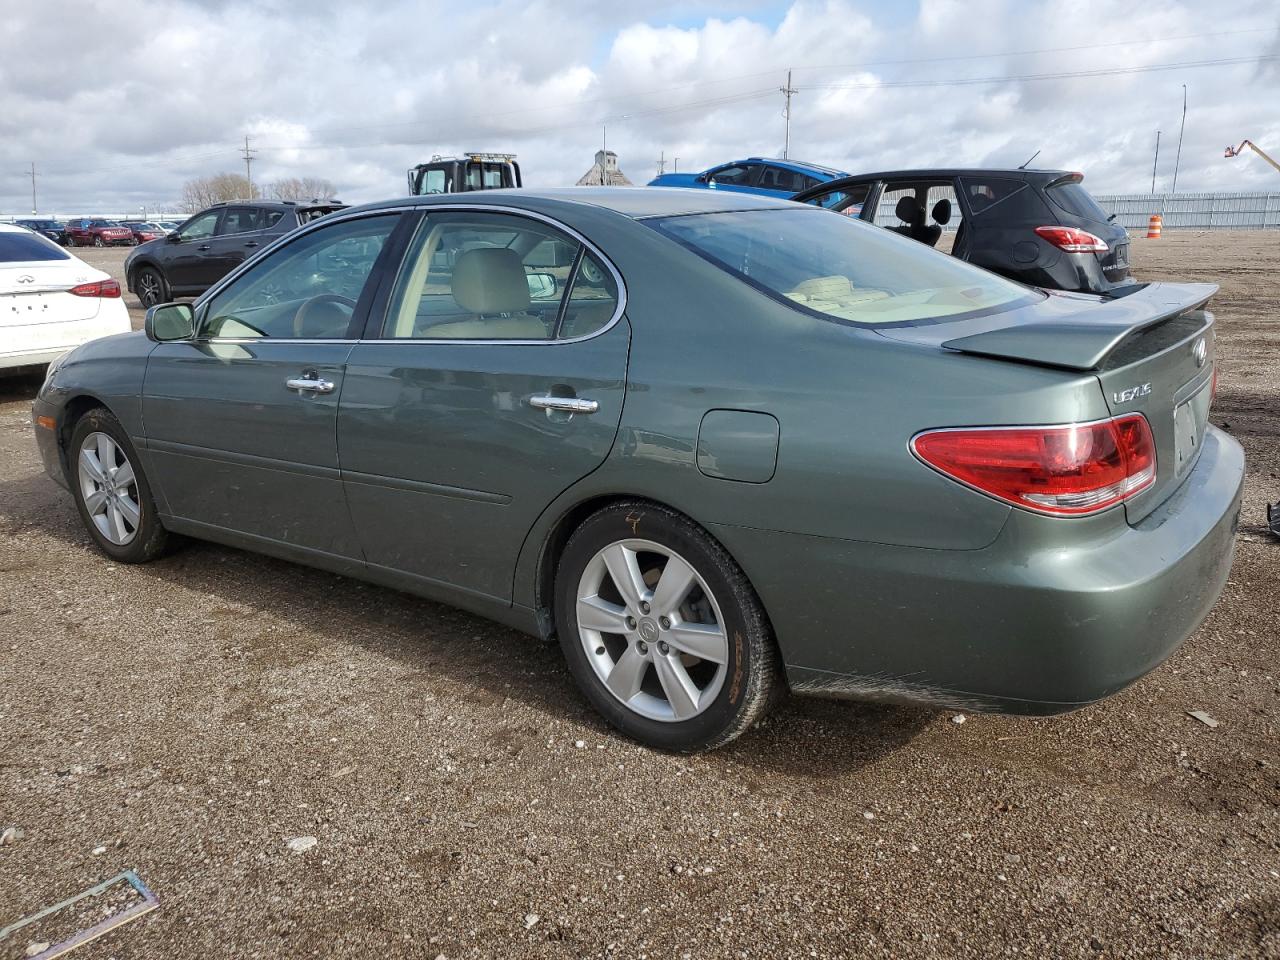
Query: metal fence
point(1196, 211)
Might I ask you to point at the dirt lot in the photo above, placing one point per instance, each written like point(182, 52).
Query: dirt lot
point(187, 719)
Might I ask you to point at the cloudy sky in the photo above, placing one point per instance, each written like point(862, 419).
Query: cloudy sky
point(119, 102)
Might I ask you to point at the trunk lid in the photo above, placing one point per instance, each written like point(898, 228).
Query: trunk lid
point(35, 293)
point(1152, 352)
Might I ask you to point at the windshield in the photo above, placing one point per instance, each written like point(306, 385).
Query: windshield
point(839, 267)
point(1075, 199)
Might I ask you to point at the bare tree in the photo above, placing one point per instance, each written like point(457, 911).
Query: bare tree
point(203, 191)
point(303, 188)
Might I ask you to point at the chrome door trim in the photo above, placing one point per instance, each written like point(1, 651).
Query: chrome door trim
point(564, 404)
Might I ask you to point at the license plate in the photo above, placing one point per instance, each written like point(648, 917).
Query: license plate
point(1189, 420)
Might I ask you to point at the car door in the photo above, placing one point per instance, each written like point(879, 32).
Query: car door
point(185, 253)
point(495, 382)
point(237, 237)
point(240, 421)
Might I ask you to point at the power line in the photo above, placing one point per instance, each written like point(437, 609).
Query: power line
point(248, 161)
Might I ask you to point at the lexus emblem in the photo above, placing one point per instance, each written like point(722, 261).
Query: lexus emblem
point(1200, 352)
point(26, 278)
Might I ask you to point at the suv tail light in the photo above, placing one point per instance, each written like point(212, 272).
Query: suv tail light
point(1073, 239)
point(1072, 469)
point(106, 289)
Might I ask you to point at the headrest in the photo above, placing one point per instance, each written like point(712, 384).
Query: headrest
point(908, 209)
point(490, 280)
point(942, 211)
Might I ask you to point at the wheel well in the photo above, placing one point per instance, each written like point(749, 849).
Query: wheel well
point(76, 408)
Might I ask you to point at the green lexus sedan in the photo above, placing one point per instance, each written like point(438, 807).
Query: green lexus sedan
point(721, 446)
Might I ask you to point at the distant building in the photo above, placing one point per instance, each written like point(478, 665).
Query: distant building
point(604, 172)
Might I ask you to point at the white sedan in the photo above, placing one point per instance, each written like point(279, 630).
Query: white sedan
point(51, 301)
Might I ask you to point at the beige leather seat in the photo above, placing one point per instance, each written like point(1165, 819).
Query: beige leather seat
point(490, 283)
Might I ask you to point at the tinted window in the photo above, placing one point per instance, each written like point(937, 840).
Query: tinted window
point(483, 277)
point(307, 289)
point(779, 178)
point(104, 223)
point(271, 218)
point(25, 247)
point(840, 267)
point(848, 201)
point(738, 175)
point(240, 220)
point(1076, 200)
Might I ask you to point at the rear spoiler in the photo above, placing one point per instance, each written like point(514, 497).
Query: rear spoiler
point(1082, 340)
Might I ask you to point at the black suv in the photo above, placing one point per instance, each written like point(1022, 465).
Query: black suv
point(211, 244)
point(47, 228)
point(1040, 227)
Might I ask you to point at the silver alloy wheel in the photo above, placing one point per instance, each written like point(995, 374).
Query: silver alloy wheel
point(109, 488)
point(652, 630)
point(149, 288)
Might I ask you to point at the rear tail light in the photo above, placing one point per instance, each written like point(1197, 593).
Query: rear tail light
point(106, 289)
point(1073, 240)
point(1072, 469)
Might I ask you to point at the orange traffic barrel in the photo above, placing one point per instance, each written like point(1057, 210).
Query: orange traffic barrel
point(1153, 227)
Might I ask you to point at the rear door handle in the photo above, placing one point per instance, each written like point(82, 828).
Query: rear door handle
point(310, 385)
point(203, 246)
point(251, 243)
point(564, 404)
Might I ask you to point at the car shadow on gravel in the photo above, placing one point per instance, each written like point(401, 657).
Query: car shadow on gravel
point(805, 737)
point(16, 388)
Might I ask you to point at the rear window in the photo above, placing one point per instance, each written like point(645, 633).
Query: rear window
point(835, 266)
point(28, 247)
point(1076, 200)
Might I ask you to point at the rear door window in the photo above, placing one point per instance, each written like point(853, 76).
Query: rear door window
point(1011, 200)
point(240, 220)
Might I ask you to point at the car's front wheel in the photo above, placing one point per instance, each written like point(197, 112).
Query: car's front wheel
point(151, 286)
point(98, 241)
point(661, 629)
point(111, 491)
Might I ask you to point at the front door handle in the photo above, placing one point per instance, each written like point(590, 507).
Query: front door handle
point(564, 404)
point(310, 385)
point(251, 243)
point(203, 246)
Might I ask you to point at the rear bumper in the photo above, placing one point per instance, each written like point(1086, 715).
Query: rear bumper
point(1035, 623)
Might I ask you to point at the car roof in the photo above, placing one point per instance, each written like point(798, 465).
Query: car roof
point(925, 173)
point(638, 203)
point(800, 166)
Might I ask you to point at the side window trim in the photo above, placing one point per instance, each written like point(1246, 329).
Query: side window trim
point(568, 290)
point(362, 312)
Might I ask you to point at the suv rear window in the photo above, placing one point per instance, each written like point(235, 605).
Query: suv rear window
point(1072, 197)
point(27, 247)
point(838, 267)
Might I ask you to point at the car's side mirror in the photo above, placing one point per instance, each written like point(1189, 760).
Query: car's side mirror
point(700, 178)
point(173, 237)
point(542, 286)
point(170, 321)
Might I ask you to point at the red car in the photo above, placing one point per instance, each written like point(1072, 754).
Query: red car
point(144, 230)
point(99, 233)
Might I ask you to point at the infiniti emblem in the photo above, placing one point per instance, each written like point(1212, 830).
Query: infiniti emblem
point(1200, 352)
point(26, 278)
point(648, 630)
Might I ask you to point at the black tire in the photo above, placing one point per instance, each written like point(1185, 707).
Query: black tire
point(98, 241)
point(150, 283)
point(150, 540)
point(752, 681)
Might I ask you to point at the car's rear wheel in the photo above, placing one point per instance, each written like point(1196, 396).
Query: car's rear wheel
point(151, 286)
point(662, 631)
point(111, 491)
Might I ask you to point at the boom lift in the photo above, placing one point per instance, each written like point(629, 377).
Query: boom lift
point(1236, 151)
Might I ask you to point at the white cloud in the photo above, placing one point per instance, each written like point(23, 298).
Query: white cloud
point(359, 93)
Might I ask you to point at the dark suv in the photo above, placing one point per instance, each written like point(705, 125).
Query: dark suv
point(48, 228)
point(1040, 227)
point(211, 244)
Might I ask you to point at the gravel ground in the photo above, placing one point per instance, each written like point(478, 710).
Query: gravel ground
point(190, 718)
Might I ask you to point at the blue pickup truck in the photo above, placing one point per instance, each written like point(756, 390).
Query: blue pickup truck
point(773, 178)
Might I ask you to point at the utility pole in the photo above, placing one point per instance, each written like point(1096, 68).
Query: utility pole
point(662, 163)
point(33, 188)
point(248, 161)
point(787, 91)
point(1153, 164)
point(675, 165)
point(1178, 158)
